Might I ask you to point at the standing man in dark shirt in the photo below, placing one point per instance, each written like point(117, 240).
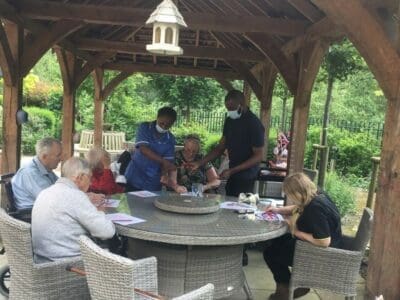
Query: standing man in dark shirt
point(243, 137)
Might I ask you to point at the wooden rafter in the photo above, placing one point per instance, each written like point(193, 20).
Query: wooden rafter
point(9, 12)
point(307, 9)
point(172, 70)
point(89, 66)
point(114, 83)
point(47, 10)
point(45, 41)
point(6, 59)
point(385, 63)
point(248, 76)
point(188, 51)
point(272, 50)
point(225, 84)
point(322, 28)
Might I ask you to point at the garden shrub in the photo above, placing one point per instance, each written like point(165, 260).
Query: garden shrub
point(340, 192)
point(185, 129)
point(41, 123)
point(354, 150)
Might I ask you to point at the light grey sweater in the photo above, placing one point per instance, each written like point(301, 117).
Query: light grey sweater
point(61, 214)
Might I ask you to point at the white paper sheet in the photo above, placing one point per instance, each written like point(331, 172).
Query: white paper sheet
point(236, 206)
point(111, 203)
point(143, 194)
point(124, 219)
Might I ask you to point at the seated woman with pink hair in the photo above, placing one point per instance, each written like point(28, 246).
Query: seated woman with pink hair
point(102, 177)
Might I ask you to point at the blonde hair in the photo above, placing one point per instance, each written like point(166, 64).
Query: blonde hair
point(299, 189)
point(95, 157)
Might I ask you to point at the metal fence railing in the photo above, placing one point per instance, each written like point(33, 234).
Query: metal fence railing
point(214, 121)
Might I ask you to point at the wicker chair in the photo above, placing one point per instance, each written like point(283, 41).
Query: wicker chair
point(114, 277)
point(332, 269)
point(37, 281)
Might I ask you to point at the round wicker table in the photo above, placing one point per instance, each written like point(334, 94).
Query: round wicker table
point(193, 249)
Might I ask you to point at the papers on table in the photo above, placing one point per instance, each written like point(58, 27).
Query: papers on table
point(237, 206)
point(111, 203)
point(123, 219)
point(247, 208)
point(143, 194)
point(269, 216)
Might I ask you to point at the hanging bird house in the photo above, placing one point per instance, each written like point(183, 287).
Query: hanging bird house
point(166, 20)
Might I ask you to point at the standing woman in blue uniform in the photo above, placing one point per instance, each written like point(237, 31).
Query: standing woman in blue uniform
point(155, 153)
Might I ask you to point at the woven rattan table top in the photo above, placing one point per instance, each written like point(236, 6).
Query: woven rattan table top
point(223, 227)
point(187, 204)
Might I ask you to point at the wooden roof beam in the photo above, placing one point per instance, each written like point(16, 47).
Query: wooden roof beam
point(113, 84)
point(248, 76)
point(226, 84)
point(112, 15)
point(7, 11)
point(272, 50)
point(322, 28)
point(44, 42)
point(191, 51)
point(171, 70)
point(307, 10)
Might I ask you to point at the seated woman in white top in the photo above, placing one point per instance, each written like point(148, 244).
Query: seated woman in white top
point(63, 212)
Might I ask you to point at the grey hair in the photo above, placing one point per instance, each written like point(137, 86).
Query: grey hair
point(94, 157)
point(43, 146)
point(192, 138)
point(75, 166)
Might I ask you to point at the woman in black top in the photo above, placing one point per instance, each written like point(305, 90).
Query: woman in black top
point(312, 217)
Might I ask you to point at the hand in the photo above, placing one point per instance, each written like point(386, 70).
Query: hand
point(225, 174)
point(180, 189)
point(96, 199)
point(271, 209)
point(192, 166)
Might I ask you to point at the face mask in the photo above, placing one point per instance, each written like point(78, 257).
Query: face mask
point(235, 114)
point(160, 129)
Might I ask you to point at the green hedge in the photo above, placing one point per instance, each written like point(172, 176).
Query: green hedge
point(354, 150)
point(41, 123)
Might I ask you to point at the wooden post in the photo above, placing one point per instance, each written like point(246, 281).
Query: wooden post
point(11, 53)
point(247, 93)
point(382, 57)
point(101, 94)
point(267, 76)
point(310, 60)
point(98, 78)
point(372, 183)
point(68, 66)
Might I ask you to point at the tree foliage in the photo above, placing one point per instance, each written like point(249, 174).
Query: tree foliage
point(187, 93)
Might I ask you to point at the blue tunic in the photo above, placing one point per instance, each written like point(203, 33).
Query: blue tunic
point(142, 172)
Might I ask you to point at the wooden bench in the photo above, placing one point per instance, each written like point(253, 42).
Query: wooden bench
point(113, 142)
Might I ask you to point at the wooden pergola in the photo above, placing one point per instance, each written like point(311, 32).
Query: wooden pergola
point(251, 40)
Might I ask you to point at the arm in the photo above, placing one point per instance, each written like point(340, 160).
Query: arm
point(91, 219)
point(285, 210)
point(213, 154)
point(171, 181)
point(255, 159)
point(165, 164)
point(309, 238)
point(212, 179)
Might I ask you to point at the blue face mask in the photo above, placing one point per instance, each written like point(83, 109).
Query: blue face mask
point(235, 114)
point(160, 129)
